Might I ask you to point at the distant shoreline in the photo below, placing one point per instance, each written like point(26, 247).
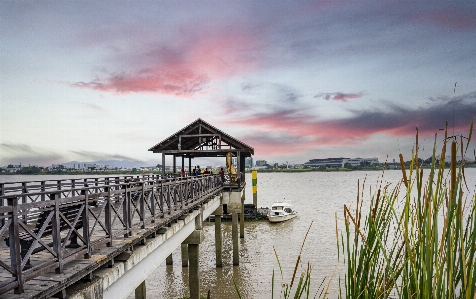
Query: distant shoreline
point(279, 170)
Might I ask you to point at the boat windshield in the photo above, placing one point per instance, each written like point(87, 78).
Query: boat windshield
point(277, 208)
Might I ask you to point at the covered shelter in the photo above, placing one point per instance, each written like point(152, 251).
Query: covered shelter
point(201, 139)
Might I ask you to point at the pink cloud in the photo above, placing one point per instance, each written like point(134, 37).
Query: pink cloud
point(343, 97)
point(339, 96)
point(186, 68)
point(451, 18)
point(295, 131)
point(178, 83)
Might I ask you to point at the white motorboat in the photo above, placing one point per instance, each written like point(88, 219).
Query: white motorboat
point(281, 211)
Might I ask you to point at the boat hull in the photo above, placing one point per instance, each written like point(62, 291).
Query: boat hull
point(281, 218)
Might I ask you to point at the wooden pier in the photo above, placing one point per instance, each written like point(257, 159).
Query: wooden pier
point(97, 232)
point(116, 214)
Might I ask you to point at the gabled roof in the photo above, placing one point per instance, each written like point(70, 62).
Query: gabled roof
point(201, 139)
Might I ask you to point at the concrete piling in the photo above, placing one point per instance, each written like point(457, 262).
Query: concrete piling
point(193, 278)
point(193, 241)
point(242, 216)
point(184, 251)
point(169, 260)
point(218, 242)
point(218, 237)
point(140, 292)
point(234, 236)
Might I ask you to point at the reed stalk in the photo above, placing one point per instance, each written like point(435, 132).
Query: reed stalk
point(417, 243)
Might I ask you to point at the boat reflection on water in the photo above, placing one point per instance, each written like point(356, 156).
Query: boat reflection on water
point(281, 211)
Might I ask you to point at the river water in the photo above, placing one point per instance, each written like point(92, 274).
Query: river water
point(317, 196)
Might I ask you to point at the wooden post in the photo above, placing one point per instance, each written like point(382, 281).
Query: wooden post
point(129, 210)
point(152, 202)
point(183, 165)
point(163, 165)
point(56, 235)
point(86, 237)
point(108, 215)
point(2, 202)
point(15, 254)
point(174, 164)
point(190, 166)
point(142, 206)
point(43, 189)
point(125, 212)
point(161, 198)
point(24, 190)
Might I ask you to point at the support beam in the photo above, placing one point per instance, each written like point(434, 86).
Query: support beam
point(140, 291)
point(234, 236)
point(144, 259)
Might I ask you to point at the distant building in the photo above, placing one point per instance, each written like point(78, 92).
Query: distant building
point(261, 162)
point(249, 162)
point(340, 162)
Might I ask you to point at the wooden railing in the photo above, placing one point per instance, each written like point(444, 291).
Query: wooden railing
point(106, 209)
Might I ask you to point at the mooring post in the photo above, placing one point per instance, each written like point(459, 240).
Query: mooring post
point(184, 251)
point(254, 179)
point(218, 238)
point(242, 216)
point(141, 291)
point(234, 236)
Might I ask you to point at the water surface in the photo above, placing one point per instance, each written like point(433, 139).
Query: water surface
point(318, 197)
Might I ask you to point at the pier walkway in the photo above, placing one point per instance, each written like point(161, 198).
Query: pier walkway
point(101, 237)
point(63, 234)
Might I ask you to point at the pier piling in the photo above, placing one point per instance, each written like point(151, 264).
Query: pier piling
point(218, 238)
point(140, 292)
point(184, 251)
point(169, 260)
point(234, 236)
point(242, 216)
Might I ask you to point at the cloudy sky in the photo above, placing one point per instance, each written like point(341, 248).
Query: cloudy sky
point(89, 80)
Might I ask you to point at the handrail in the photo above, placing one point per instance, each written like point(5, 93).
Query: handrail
point(111, 208)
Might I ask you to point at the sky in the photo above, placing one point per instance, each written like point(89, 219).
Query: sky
point(295, 80)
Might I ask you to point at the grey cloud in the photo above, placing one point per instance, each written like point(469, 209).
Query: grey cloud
point(87, 155)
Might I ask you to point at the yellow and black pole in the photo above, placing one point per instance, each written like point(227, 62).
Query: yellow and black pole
point(254, 179)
